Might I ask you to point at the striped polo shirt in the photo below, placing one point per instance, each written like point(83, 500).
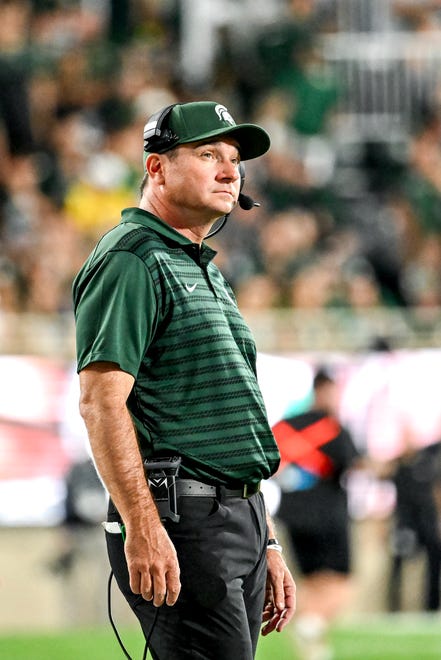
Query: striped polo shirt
point(153, 302)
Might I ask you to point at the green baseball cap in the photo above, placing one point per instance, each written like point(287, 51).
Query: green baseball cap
point(201, 120)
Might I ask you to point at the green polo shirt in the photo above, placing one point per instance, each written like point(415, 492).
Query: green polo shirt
point(153, 302)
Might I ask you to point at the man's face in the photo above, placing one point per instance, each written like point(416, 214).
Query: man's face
point(204, 178)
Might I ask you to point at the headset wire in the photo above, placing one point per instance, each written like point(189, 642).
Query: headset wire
point(114, 628)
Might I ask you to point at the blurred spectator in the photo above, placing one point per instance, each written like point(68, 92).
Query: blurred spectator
point(109, 175)
point(258, 292)
point(363, 291)
point(420, 276)
point(424, 176)
point(293, 172)
point(416, 476)
point(418, 16)
point(15, 118)
point(286, 241)
point(289, 55)
point(41, 243)
point(298, 168)
point(316, 454)
point(312, 87)
point(314, 286)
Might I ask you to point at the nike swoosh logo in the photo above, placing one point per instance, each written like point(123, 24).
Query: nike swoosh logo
point(191, 287)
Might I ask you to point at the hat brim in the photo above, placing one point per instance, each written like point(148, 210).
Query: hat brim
point(253, 140)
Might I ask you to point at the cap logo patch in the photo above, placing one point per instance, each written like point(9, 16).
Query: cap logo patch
point(224, 115)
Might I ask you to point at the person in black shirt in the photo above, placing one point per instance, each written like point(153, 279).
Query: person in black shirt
point(316, 452)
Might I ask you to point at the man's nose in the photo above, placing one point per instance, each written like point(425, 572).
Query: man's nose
point(230, 170)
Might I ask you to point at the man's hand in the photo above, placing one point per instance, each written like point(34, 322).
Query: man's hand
point(153, 565)
point(280, 597)
point(151, 556)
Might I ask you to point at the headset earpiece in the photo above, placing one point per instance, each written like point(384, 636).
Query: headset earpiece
point(245, 202)
point(157, 136)
point(242, 175)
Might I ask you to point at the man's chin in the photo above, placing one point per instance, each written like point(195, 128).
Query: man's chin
point(225, 209)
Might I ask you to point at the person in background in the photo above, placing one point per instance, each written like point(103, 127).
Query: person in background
point(316, 452)
point(174, 413)
point(416, 476)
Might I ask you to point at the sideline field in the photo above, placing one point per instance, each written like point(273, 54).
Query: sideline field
point(390, 637)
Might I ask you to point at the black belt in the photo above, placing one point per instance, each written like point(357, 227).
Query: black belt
point(193, 488)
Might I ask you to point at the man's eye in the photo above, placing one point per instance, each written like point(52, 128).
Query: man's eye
point(208, 154)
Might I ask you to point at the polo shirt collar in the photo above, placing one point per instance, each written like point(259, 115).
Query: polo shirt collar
point(141, 217)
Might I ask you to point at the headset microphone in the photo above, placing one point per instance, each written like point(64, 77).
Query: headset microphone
point(246, 203)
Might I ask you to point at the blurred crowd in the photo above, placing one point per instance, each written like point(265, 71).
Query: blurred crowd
point(78, 80)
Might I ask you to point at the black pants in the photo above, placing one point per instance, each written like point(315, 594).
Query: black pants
point(422, 520)
point(221, 547)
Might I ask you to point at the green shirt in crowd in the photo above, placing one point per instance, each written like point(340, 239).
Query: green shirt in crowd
point(151, 301)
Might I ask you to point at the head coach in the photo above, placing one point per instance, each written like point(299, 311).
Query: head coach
point(170, 398)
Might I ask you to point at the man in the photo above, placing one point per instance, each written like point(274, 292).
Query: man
point(316, 452)
point(167, 370)
point(416, 477)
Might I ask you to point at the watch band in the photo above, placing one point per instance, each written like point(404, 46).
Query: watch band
point(273, 544)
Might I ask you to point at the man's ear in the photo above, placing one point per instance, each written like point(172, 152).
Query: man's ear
point(154, 168)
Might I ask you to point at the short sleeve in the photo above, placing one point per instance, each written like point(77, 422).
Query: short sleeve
point(116, 313)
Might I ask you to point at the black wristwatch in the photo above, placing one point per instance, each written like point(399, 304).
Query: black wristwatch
point(273, 544)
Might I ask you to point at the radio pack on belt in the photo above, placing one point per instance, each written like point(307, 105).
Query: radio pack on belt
point(161, 476)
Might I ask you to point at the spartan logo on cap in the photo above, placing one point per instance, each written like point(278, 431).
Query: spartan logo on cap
point(224, 115)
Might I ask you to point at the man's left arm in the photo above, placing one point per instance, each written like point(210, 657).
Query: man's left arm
point(280, 596)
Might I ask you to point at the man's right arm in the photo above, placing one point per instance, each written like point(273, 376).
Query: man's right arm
point(151, 556)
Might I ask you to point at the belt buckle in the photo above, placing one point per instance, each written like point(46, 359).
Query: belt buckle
point(253, 490)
